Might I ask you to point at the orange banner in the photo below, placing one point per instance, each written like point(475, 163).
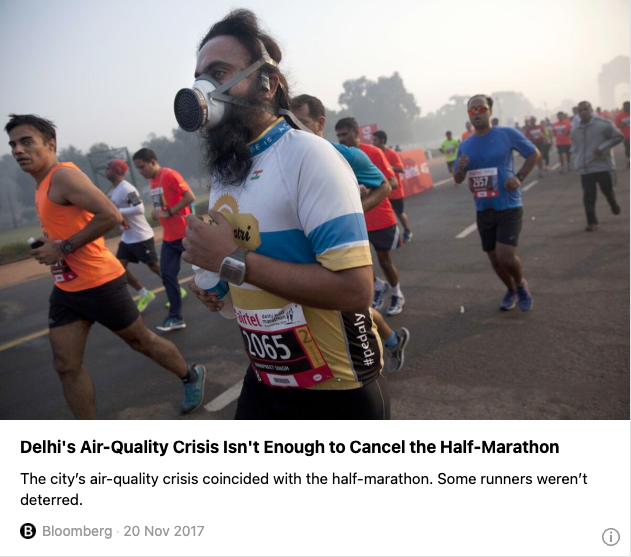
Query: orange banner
point(365, 133)
point(417, 175)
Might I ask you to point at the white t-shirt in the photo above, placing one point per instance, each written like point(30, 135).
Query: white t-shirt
point(126, 197)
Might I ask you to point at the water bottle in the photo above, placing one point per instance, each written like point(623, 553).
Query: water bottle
point(211, 283)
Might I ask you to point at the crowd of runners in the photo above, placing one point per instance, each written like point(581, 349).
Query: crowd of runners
point(292, 220)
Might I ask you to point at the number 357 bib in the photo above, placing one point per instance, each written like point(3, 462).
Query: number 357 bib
point(281, 348)
point(483, 182)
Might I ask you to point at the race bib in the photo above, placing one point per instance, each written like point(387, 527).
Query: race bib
point(559, 129)
point(483, 182)
point(451, 149)
point(62, 272)
point(156, 198)
point(281, 348)
point(535, 134)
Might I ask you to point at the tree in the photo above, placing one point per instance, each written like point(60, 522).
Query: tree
point(72, 154)
point(385, 102)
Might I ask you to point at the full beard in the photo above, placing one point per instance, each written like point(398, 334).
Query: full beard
point(225, 152)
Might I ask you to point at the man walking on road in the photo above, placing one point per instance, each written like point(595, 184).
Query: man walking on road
point(562, 129)
point(137, 235)
point(171, 197)
point(449, 148)
point(623, 121)
point(592, 141)
point(90, 282)
point(290, 238)
point(485, 161)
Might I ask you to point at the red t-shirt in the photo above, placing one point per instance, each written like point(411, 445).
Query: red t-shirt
point(535, 134)
point(167, 190)
point(394, 159)
point(382, 216)
point(622, 121)
point(561, 130)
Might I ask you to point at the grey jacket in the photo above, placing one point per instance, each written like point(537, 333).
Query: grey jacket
point(600, 134)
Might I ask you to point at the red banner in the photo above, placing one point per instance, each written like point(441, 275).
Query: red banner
point(365, 133)
point(417, 175)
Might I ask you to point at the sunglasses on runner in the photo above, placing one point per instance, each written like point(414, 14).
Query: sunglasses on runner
point(478, 110)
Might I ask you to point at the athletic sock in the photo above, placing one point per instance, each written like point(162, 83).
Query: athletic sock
point(396, 290)
point(380, 284)
point(191, 376)
point(143, 292)
point(392, 340)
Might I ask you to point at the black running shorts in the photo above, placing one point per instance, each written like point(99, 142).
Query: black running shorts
point(397, 205)
point(110, 304)
point(499, 226)
point(563, 149)
point(144, 252)
point(386, 239)
point(258, 401)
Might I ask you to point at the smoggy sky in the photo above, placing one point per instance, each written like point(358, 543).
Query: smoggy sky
point(108, 70)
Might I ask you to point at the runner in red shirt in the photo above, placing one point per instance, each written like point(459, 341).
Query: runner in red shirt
point(622, 121)
point(171, 197)
point(561, 129)
point(381, 223)
point(535, 133)
point(379, 140)
point(469, 131)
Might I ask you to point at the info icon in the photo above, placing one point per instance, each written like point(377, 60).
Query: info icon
point(28, 531)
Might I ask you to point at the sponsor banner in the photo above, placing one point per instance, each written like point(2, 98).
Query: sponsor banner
point(365, 133)
point(417, 177)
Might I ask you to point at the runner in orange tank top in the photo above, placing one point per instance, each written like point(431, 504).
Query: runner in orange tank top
point(90, 283)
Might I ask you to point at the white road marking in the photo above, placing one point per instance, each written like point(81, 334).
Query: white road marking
point(467, 231)
point(555, 166)
point(224, 398)
point(531, 185)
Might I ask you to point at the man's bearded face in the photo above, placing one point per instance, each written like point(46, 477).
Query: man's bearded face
point(226, 155)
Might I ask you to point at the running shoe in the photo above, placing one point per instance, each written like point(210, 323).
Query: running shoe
point(144, 301)
point(171, 324)
point(615, 208)
point(183, 294)
point(407, 236)
point(509, 301)
point(525, 298)
point(377, 301)
point(591, 228)
point(194, 392)
point(395, 356)
point(396, 305)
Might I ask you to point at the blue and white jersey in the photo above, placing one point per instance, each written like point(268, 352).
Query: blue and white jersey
point(300, 203)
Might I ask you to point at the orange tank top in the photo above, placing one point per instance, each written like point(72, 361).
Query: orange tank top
point(93, 264)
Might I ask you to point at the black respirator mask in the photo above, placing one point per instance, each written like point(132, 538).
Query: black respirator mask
point(206, 104)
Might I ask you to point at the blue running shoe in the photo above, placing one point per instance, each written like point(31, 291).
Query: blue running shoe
point(194, 392)
point(171, 324)
point(379, 295)
point(407, 236)
point(395, 357)
point(525, 297)
point(396, 305)
point(509, 301)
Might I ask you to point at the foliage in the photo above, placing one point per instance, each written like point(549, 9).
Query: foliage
point(385, 102)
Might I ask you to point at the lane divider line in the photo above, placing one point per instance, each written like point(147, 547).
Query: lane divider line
point(43, 332)
point(224, 398)
point(467, 231)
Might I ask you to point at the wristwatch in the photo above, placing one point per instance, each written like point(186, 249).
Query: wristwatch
point(521, 177)
point(67, 247)
point(233, 267)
